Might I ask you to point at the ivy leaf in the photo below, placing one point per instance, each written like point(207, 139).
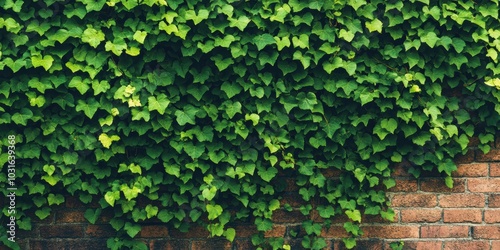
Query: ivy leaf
point(263, 40)
point(132, 229)
point(99, 86)
point(430, 39)
point(92, 36)
point(107, 140)
point(231, 89)
point(22, 116)
point(214, 211)
point(241, 23)
point(232, 108)
point(159, 104)
point(93, 5)
point(92, 215)
point(89, 108)
point(81, 85)
point(374, 25)
point(354, 215)
point(140, 36)
point(187, 115)
point(45, 62)
point(268, 174)
point(389, 124)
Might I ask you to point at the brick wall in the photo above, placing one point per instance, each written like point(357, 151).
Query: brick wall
point(428, 216)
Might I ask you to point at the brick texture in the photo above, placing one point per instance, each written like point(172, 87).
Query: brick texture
point(462, 216)
point(428, 216)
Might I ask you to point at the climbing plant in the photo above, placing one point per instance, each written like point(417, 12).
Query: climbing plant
point(188, 111)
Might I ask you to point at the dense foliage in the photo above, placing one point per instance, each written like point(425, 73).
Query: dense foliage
point(187, 111)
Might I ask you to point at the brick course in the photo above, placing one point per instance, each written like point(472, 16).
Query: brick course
point(428, 215)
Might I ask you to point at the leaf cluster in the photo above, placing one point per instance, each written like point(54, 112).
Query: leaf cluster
point(191, 111)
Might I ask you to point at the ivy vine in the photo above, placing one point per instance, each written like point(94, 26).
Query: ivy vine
point(188, 111)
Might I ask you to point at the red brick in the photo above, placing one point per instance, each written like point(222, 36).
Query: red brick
point(405, 186)
point(484, 185)
point(291, 185)
point(471, 170)
point(331, 173)
point(495, 244)
point(492, 216)
point(495, 169)
point(414, 200)
point(401, 170)
point(170, 244)
point(462, 200)
point(391, 232)
point(462, 216)
point(419, 245)
point(361, 244)
point(420, 215)
point(100, 231)
point(438, 231)
point(293, 199)
point(438, 185)
point(211, 244)
point(194, 232)
point(70, 216)
point(467, 158)
point(493, 155)
point(494, 200)
point(73, 244)
point(276, 231)
point(61, 231)
point(281, 216)
point(466, 244)
point(486, 232)
point(153, 231)
point(245, 230)
point(334, 232)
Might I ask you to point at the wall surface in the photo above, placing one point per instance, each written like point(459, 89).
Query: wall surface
point(428, 216)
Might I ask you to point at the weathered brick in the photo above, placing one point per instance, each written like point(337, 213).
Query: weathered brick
point(414, 200)
point(276, 231)
point(245, 230)
point(462, 216)
point(391, 232)
point(495, 244)
point(401, 170)
point(70, 216)
point(281, 216)
point(471, 170)
point(73, 244)
point(410, 185)
point(438, 185)
point(466, 244)
point(334, 232)
point(420, 215)
point(493, 155)
point(492, 216)
point(170, 244)
point(293, 199)
point(419, 245)
point(462, 200)
point(484, 185)
point(439, 231)
point(467, 158)
point(100, 231)
point(362, 244)
point(194, 232)
point(242, 244)
point(211, 244)
point(61, 231)
point(153, 231)
point(486, 232)
point(494, 200)
point(495, 169)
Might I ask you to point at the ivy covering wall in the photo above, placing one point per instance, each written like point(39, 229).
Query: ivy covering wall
point(189, 111)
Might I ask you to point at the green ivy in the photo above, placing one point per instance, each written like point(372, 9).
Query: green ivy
point(195, 108)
